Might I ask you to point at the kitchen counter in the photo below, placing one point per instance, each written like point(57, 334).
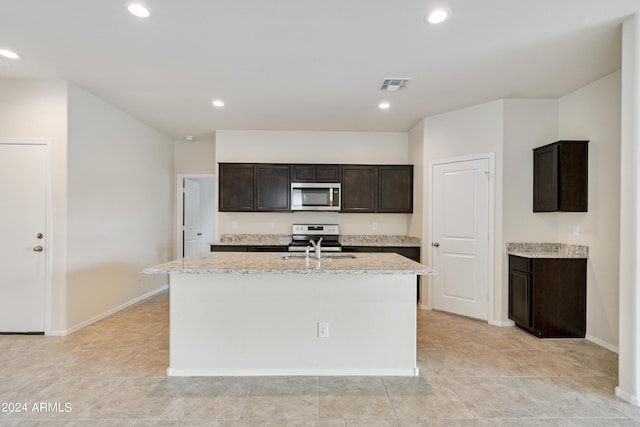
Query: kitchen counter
point(274, 263)
point(345, 240)
point(548, 250)
point(251, 314)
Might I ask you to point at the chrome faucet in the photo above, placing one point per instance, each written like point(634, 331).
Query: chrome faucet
point(316, 246)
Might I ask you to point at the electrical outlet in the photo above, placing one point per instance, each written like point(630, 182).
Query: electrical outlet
point(271, 226)
point(234, 224)
point(374, 225)
point(323, 329)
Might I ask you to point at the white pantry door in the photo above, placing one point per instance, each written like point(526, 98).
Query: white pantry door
point(460, 237)
point(23, 201)
point(191, 217)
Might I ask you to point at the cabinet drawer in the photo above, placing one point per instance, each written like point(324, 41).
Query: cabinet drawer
point(519, 263)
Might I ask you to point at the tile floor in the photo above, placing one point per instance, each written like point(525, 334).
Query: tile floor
point(112, 373)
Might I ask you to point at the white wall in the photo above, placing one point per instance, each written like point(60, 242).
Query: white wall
point(37, 109)
point(120, 216)
point(593, 113)
point(195, 157)
point(311, 147)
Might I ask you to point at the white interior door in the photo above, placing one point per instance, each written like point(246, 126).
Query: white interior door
point(460, 237)
point(191, 217)
point(23, 201)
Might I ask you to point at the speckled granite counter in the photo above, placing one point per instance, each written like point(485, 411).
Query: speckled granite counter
point(345, 240)
point(547, 250)
point(273, 262)
point(254, 239)
point(378, 240)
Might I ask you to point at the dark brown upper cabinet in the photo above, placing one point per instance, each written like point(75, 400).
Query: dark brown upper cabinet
point(359, 188)
point(560, 177)
point(272, 189)
point(236, 187)
point(377, 188)
point(246, 187)
point(395, 189)
point(266, 187)
point(315, 173)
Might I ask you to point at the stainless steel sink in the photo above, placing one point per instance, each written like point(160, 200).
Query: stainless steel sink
point(323, 256)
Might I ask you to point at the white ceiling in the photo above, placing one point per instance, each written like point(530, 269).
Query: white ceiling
point(311, 65)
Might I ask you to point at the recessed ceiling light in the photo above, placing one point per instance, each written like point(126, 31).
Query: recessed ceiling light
point(437, 16)
point(138, 10)
point(218, 103)
point(9, 54)
point(384, 105)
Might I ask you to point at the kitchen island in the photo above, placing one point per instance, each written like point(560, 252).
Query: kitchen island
point(234, 314)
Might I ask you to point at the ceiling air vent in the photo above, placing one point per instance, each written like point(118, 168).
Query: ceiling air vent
point(393, 84)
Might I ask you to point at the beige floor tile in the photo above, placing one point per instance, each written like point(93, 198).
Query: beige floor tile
point(353, 397)
point(494, 397)
point(282, 398)
point(424, 398)
point(114, 374)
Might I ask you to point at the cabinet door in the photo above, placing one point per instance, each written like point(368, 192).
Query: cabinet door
point(303, 173)
point(520, 297)
point(395, 189)
point(545, 179)
point(359, 185)
point(315, 173)
point(272, 188)
point(235, 192)
point(327, 173)
point(573, 176)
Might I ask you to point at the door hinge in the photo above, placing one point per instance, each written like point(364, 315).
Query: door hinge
point(488, 175)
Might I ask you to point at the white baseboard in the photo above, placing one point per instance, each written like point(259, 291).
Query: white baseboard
point(502, 323)
point(65, 332)
point(314, 372)
point(634, 400)
point(424, 306)
point(602, 343)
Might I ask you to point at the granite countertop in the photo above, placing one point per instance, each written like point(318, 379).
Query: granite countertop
point(345, 240)
point(547, 250)
point(273, 262)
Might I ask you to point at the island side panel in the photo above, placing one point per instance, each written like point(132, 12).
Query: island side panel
point(267, 324)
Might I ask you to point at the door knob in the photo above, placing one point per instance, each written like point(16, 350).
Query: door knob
point(435, 244)
point(38, 249)
point(39, 235)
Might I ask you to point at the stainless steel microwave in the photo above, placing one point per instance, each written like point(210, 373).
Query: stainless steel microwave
point(316, 196)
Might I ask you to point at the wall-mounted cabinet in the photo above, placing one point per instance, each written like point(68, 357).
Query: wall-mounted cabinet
point(560, 177)
point(315, 173)
point(359, 188)
point(262, 187)
point(377, 188)
point(236, 187)
point(246, 187)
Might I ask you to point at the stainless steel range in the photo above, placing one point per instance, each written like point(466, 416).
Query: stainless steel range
point(327, 235)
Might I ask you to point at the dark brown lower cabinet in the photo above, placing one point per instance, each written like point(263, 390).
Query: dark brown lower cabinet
point(548, 296)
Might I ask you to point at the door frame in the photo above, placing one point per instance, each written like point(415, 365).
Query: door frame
point(48, 221)
point(179, 214)
point(491, 246)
